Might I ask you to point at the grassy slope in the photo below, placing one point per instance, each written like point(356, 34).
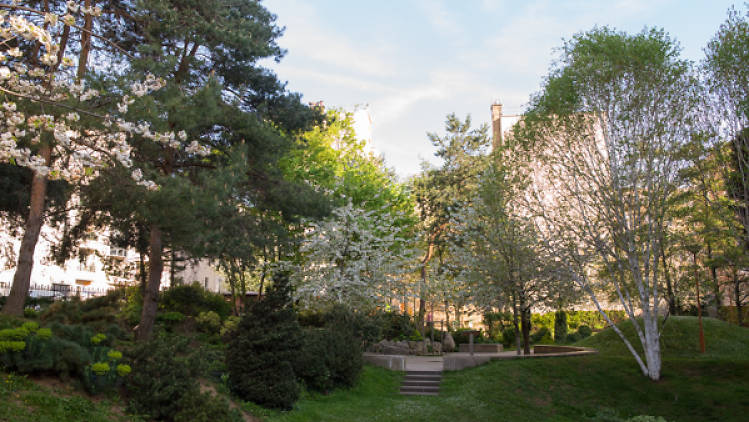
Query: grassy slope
point(26, 401)
point(680, 339)
point(602, 387)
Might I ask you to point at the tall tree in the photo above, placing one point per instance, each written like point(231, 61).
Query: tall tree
point(52, 123)
point(441, 191)
point(727, 78)
point(612, 119)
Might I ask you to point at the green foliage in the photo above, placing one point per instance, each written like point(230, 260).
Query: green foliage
point(260, 357)
point(171, 317)
point(311, 366)
point(230, 325)
point(508, 337)
point(461, 336)
point(560, 326)
point(415, 336)
point(99, 313)
point(208, 322)
point(30, 313)
point(542, 335)
point(11, 346)
point(396, 326)
point(584, 331)
point(192, 299)
point(164, 375)
point(496, 323)
point(123, 369)
point(100, 368)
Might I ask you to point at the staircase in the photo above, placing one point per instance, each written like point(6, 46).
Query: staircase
point(421, 383)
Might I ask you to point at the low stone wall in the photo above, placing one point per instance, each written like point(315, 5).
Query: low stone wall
point(481, 348)
point(543, 349)
point(392, 362)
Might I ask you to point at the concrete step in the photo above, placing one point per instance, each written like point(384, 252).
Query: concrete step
point(424, 373)
point(430, 383)
point(422, 378)
point(421, 383)
point(420, 389)
point(409, 393)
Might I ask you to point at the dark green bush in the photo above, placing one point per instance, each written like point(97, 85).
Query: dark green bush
point(584, 331)
point(508, 337)
point(192, 299)
point(311, 366)
point(395, 326)
point(540, 334)
point(47, 355)
point(163, 374)
point(461, 336)
point(573, 337)
point(367, 329)
point(260, 356)
point(100, 313)
point(560, 326)
point(311, 318)
point(332, 356)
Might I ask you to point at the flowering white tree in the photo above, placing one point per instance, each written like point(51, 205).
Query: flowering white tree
point(355, 256)
point(51, 122)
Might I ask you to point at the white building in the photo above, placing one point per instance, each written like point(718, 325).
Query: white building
point(99, 267)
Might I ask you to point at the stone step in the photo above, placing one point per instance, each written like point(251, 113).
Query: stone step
point(429, 383)
point(420, 389)
point(422, 378)
point(424, 373)
point(421, 393)
point(421, 383)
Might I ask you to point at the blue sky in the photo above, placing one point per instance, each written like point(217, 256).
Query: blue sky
point(414, 61)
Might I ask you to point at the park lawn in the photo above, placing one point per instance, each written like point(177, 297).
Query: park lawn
point(604, 387)
point(27, 400)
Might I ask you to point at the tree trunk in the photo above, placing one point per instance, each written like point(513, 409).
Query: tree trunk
point(85, 42)
point(447, 315)
point(151, 297)
point(672, 309)
point(714, 276)
point(422, 302)
point(516, 323)
point(653, 349)
point(526, 323)
point(737, 298)
point(22, 277)
point(142, 275)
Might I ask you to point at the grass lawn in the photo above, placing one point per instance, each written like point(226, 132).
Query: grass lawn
point(604, 387)
point(26, 401)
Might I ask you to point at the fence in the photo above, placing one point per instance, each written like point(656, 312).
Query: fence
point(58, 291)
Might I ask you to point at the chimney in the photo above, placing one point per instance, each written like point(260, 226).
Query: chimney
point(496, 124)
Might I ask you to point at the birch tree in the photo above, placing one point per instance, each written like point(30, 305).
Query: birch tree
point(610, 124)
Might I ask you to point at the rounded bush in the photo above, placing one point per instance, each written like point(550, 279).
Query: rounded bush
point(584, 331)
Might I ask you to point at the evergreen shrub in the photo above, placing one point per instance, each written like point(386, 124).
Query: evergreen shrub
point(508, 337)
point(584, 331)
point(261, 355)
point(162, 375)
point(560, 326)
point(192, 299)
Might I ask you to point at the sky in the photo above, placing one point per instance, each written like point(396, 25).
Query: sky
point(409, 63)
